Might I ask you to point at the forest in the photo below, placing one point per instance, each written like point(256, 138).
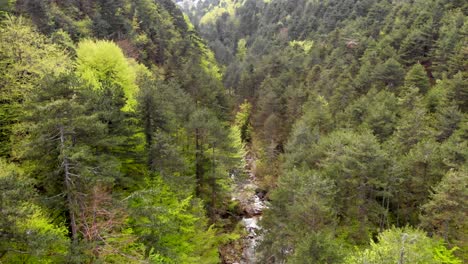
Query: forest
point(234, 131)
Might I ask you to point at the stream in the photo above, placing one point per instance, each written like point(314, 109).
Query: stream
point(252, 202)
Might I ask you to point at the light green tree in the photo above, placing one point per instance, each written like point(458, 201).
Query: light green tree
point(173, 229)
point(26, 56)
point(404, 245)
point(102, 65)
point(27, 233)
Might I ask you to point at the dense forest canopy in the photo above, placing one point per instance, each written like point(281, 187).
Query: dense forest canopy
point(359, 120)
point(126, 125)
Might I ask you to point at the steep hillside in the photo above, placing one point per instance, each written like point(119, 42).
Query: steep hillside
point(116, 144)
point(359, 119)
point(279, 131)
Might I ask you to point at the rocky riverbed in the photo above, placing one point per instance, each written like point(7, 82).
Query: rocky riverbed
point(251, 200)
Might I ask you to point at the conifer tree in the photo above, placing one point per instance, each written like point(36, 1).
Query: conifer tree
point(64, 148)
point(445, 213)
point(417, 77)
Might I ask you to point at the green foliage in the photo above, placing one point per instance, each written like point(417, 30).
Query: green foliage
point(28, 234)
point(324, 179)
point(225, 8)
point(357, 116)
point(241, 49)
point(102, 64)
point(175, 230)
point(318, 248)
point(445, 255)
point(390, 73)
point(216, 152)
point(22, 65)
point(77, 111)
point(243, 121)
point(304, 45)
point(305, 212)
point(127, 160)
point(404, 245)
point(458, 91)
point(445, 213)
point(417, 77)
point(70, 152)
point(376, 110)
point(6, 6)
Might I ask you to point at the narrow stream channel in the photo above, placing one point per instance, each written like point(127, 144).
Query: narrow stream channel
point(252, 203)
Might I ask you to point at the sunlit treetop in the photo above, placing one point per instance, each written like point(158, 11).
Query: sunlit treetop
point(102, 63)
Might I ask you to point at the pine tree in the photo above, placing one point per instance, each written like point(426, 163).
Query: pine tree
point(417, 171)
point(172, 229)
point(458, 91)
point(65, 139)
point(417, 77)
point(446, 211)
point(212, 158)
point(390, 73)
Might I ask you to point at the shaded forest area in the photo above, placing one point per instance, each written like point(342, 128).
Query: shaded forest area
point(122, 123)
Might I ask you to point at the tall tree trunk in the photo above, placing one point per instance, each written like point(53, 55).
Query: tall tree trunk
point(363, 207)
point(213, 187)
point(149, 136)
point(68, 185)
point(198, 162)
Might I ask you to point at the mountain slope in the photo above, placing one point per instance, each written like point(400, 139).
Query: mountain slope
point(115, 135)
point(359, 112)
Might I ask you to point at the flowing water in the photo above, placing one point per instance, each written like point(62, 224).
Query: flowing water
point(252, 203)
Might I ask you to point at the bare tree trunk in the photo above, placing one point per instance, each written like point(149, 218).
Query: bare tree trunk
point(402, 256)
point(362, 207)
point(213, 187)
point(401, 260)
point(198, 162)
point(149, 137)
point(446, 231)
point(382, 218)
point(68, 185)
point(388, 212)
